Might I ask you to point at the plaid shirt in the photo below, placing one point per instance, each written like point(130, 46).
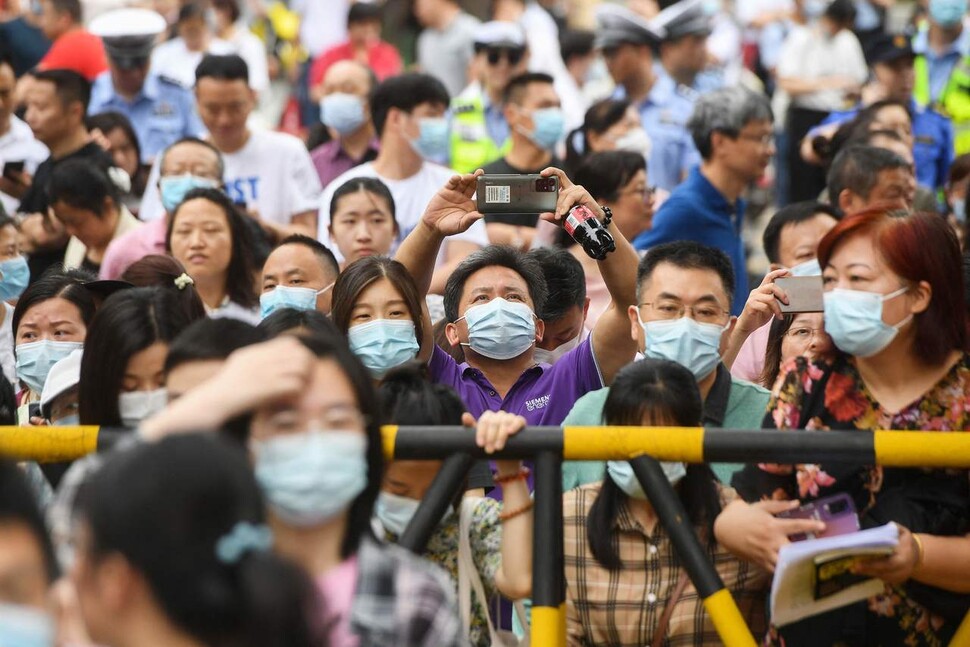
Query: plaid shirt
point(402, 600)
point(622, 608)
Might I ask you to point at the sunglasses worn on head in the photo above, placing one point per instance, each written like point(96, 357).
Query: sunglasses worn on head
point(513, 56)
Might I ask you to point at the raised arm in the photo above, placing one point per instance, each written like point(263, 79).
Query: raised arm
point(451, 211)
point(613, 345)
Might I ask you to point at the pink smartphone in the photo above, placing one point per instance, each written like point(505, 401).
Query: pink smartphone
point(837, 512)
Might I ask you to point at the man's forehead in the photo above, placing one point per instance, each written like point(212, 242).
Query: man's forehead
point(683, 282)
point(495, 277)
point(190, 153)
point(345, 73)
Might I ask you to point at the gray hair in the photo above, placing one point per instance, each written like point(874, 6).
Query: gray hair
point(727, 111)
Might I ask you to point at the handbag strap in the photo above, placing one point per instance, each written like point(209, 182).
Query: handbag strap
point(468, 577)
point(661, 631)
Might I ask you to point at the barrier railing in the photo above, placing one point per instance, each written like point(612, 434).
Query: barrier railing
point(549, 446)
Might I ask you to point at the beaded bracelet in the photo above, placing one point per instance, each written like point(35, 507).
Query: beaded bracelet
point(505, 516)
point(521, 475)
point(607, 216)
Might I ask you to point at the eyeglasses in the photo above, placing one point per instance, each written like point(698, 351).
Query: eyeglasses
point(513, 56)
point(646, 192)
point(804, 333)
point(703, 313)
point(764, 140)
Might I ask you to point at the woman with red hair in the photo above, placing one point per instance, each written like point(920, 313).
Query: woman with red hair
point(893, 306)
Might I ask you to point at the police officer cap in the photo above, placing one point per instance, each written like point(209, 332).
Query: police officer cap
point(617, 25)
point(888, 47)
point(500, 33)
point(684, 18)
point(128, 34)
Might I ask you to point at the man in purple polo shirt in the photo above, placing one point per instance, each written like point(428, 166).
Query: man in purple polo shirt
point(490, 304)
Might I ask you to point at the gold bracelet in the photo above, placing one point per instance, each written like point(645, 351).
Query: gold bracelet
point(505, 516)
point(920, 553)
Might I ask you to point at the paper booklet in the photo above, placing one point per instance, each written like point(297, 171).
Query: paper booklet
point(813, 576)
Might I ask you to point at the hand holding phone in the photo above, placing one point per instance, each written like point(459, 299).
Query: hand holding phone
point(517, 194)
point(837, 512)
point(804, 294)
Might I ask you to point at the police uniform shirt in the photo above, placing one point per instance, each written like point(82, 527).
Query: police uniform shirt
point(161, 114)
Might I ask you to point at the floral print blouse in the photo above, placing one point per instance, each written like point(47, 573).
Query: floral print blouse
point(934, 501)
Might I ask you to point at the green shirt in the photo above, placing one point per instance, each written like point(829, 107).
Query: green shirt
point(731, 404)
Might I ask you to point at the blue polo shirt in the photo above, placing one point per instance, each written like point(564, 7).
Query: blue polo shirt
point(664, 114)
point(932, 142)
point(161, 114)
point(697, 211)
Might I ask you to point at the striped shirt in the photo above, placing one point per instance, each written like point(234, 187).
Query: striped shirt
point(622, 608)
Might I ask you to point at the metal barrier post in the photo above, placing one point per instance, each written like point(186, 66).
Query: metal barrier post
point(720, 605)
point(962, 637)
point(435, 502)
point(548, 578)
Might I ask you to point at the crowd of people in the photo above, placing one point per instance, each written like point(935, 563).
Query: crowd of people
point(246, 235)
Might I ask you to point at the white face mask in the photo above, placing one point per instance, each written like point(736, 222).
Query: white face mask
point(543, 356)
point(137, 406)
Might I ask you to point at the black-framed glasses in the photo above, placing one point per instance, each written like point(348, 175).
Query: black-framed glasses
point(496, 54)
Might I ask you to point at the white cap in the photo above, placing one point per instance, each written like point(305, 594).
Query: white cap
point(128, 22)
point(64, 375)
point(500, 33)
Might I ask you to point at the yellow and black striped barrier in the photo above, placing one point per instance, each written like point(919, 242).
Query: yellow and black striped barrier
point(549, 446)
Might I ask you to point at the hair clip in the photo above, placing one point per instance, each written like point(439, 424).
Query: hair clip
point(243, 538)
point(183, 280)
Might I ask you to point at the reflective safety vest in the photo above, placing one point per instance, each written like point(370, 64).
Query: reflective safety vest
point(471, 145)
point(954, 102)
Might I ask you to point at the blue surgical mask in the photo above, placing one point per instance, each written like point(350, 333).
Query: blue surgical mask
point(395, 512)
point(808, 268)
point(283, 296)
point(853, 319)
point(547, 128)
point(343, 112)
point(959, 212)
point(138, 406)
point(948, 13)
point(35, 360)
point(500, 329)
point(433, 140)
point(383, 344)
point(693, 345)
point(14, 277)
point(23, 626)
point(72, 420)
point(621, 473)
point(310, 477)
point(174, 187)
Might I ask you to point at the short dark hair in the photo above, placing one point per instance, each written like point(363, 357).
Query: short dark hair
point(359, 275)
point(129, 322)
point(790, 215)
point(517, 86)
point(371, 185)
point(598, 119)
point(669, 392)
point(57, 283)
point(69, 86)
point(70, 7)
point(604, 174)
point(327, 260)
point(857, 169)
point(565, 282)
point(405, 92)
point(18, 505)
point(285, 320)
point(6, 58)
point(164, 271)
point(495, 256)
point(841, 12)
point(110, 120)
point(83, 185)
point(224, 67)
point(191, 10)
point(230, 6)
point(687, 255)
point(199, 142)
point(165, 507)
point(575, 42)
point(363, 12)
point(208, 339)
point(239, 275)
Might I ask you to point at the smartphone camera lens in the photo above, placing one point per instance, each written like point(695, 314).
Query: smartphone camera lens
point(545, 185)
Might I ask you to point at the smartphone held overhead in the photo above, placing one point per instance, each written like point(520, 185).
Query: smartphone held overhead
point(804, 294)
point(517, 194)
